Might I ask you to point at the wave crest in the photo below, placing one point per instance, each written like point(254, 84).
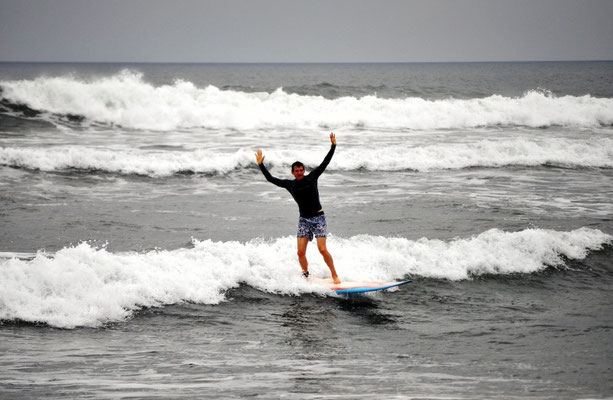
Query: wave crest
point(592, 153)
point(85, 286)
point(127, 100)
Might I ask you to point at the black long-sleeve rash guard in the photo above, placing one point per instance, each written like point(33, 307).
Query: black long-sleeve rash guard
point(304, 190)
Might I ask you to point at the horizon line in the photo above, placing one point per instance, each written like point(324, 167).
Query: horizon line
point(301, 62)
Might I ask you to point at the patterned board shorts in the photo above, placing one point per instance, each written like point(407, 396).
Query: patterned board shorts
point(314, 226)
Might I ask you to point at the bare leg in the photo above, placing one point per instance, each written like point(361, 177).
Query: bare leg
point(321, 245)
point(302, 245)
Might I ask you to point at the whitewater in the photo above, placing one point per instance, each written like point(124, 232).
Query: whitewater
point(85, 286)
point(593, 152)
point(128, 101)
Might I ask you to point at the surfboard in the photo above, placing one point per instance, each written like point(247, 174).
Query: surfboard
point(349, 287)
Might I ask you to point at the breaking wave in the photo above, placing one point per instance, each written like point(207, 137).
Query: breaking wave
point(127, 100)
point(86, 286)
point(575, 153)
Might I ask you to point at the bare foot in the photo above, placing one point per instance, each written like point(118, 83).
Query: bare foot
point(336, 280)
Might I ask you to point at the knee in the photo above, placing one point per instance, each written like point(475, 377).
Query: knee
point(323, 250)
point(301, 253)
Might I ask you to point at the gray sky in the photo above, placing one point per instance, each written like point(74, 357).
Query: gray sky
point(305, 31)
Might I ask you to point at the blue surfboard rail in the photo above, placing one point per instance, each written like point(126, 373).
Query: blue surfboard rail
point(371, 289)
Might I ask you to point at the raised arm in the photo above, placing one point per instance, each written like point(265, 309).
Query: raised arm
point(322, 167)
point(259, 158)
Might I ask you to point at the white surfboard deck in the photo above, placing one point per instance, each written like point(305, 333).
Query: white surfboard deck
point(348, 287)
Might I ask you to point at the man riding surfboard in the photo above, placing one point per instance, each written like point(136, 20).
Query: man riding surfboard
point(312, 221)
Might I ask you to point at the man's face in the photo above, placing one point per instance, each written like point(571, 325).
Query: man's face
point(298, 172)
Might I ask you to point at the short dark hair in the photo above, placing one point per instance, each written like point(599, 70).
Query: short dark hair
point(297, 164)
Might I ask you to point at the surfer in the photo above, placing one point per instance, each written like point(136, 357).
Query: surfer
point(312, 221)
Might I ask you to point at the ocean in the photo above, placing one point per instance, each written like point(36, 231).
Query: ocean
point(144, 255)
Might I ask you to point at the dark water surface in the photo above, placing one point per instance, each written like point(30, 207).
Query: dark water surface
point(488, 338)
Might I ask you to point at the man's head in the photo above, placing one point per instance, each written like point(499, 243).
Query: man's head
point(298, 170)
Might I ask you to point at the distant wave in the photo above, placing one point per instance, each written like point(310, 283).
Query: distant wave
point(127, 100)
point(568, 153)
point(85, 286)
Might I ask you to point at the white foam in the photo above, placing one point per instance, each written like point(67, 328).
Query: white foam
point(126, 99)
point(126, 161)
point(85, 286)
point(593, 152)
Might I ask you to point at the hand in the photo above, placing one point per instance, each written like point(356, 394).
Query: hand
point(259, 157)
point(332, 138)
